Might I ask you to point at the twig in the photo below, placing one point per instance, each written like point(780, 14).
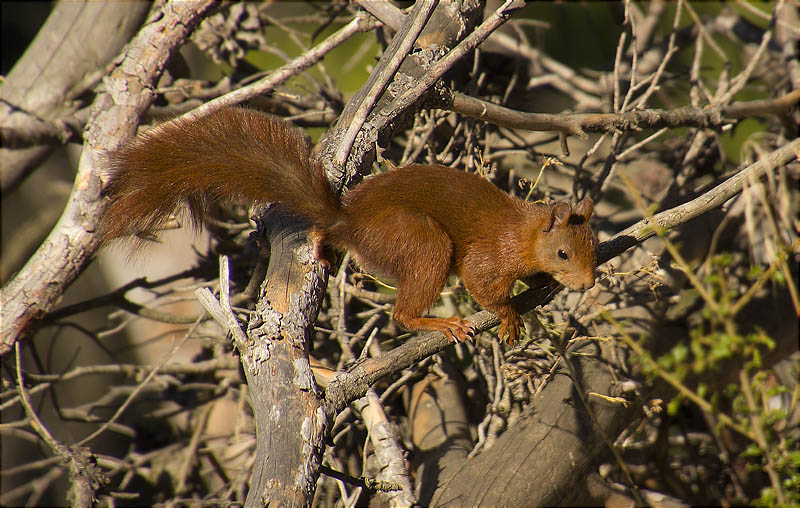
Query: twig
point(707, 201)
point(363, 482)
point(587, 90)
point(36, 423)
point(140, 387)
point(360, 23)
point(115, 296)
point(695, 77)
point(671, 50)
point(84, 478)
point(336, 291)
point(634, 71)
point(741, 79)
point(40, 132)
point(758, 434)
point(704, 33)
point(190, 452)
point(622, 156)
point(221, 309)
point(37, 488)
point(397, 51)
point(470, 42)
point(622, 37)
point(578, 124)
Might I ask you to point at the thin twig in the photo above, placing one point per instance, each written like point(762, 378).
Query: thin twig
point(360, 23)
point(578, 124)
point(579, 389)
point(470, 42)
point(709, 200)
point(140, 387)
point(82, 481)
point(758, 434)
point(397, 51)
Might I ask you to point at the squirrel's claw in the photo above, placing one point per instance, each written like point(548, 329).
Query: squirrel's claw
point(511, 325)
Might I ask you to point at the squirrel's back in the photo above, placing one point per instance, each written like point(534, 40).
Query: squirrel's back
point(231, 155)
point(465, 204)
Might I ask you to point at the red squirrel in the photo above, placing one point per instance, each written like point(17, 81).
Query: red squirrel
point(415, 225)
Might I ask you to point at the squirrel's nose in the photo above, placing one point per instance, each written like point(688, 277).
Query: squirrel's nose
point(588, 281)
point(579, 282)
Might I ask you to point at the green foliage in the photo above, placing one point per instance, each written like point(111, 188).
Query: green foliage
point(755, 407)
point(347, 65)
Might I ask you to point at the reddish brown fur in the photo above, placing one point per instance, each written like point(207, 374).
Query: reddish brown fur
point(415, 225)
point(232, 155)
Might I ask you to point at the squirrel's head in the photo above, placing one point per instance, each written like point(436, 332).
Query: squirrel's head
point(567, 249)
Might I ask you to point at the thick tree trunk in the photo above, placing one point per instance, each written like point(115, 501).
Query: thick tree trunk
point(290, 422)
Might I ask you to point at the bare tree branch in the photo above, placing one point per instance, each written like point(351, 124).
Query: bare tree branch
point(42, 88)
point(578, 124)
point(709, 200)
point(70, 246)
point(85, 477)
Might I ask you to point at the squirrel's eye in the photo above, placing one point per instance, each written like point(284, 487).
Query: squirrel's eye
point(562, 254)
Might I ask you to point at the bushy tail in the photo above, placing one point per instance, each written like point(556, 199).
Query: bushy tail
point(233, 155)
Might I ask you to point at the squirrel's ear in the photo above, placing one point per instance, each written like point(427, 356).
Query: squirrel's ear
point(559, 214)
point(585, 207)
